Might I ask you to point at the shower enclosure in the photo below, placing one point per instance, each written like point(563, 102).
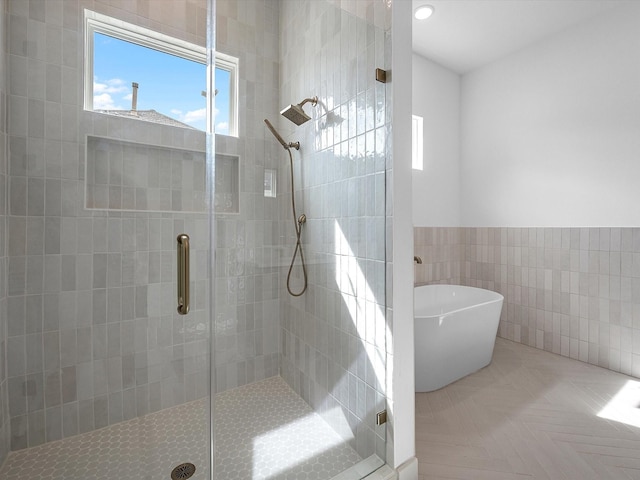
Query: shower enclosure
point(100, 372)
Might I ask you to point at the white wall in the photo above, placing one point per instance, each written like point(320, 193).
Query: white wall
point(436, 189)
point(400, 361)
point(551, 135)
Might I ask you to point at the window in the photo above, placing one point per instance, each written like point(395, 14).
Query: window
point(139, 73)
point(416, 143)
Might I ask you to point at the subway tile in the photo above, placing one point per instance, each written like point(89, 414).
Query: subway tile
point(100, 377)
point(53, 197)
point(53, 389)
point(36, 118)
point(34, 353)
point(52, 273)
point(99, 269)
point(67, 311)
point(67, 347)
point(34, 313)
point(16, 316)
point(115, 408)
point(69, 384)
point(30, 232)
point(17, 398)
point(35, 197)
point(114, 306)
point(68, 273)
point(70, 419)
point(18, 195)
point(99, 341)
point(19, 108)
point(52, 235)
point(33, 389)
point(85, 416)
point(53, 427)
point(19, 432)
point(51, 345)
point(98, 313)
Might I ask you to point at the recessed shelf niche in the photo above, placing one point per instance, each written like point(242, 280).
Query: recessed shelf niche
point(129, 176)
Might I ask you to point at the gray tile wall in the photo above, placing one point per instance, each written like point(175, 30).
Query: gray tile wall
point(94, 337)
point(5, 423)
point(570, 291)
point(247, 313)
point(442, 251)
point(333, 337)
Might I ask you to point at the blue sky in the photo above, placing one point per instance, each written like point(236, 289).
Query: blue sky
point(168, 84)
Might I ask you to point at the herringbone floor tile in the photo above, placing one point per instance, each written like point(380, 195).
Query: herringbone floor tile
point(531, 415)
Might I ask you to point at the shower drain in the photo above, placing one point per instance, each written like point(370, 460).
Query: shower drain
point(183, 471)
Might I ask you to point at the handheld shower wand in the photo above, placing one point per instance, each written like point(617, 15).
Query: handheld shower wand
point(298, 221)
point(286, 145)
point(296, 114)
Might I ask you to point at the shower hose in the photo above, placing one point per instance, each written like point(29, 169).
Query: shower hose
point(297, 221)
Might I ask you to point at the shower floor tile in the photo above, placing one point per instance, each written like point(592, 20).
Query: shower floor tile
point(263, 431)
point(148, 447)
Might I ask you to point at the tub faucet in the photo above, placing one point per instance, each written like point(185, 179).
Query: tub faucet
point(417, 259)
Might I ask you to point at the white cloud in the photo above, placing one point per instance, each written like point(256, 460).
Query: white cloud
point(195, 115)
point(222, 127)
point(105, 91)
point(104, 101)
point(114, 85)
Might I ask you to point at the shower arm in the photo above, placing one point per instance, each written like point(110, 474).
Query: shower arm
point(313, 100)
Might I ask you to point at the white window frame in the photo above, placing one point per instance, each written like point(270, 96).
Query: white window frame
point(417, 157)
point(230, 64)
point(99, 23)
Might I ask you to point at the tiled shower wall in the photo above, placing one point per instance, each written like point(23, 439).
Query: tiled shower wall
point(247, 249)
point(5, 434)
point(570, 291)
point(333, 336)
point(94, 337)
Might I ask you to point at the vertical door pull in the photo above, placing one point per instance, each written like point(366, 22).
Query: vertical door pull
point(183, 274)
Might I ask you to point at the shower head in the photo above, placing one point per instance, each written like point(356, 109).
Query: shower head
point(286, 145)
point(296, 114)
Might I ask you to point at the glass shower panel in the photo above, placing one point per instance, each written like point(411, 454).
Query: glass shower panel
point(300, 379)
point(334, 342)
point(105, 376)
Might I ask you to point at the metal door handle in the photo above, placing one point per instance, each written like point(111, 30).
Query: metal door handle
point(183, 274)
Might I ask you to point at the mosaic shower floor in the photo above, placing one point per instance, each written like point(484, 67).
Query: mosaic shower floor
point(263, 431)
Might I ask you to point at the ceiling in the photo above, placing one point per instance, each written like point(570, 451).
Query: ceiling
point(463, 35)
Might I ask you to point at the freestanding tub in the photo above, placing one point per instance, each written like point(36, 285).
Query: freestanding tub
point(455, 332)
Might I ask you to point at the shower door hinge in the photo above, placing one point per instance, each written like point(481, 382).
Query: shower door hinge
point(381, 417)
point(381, 75)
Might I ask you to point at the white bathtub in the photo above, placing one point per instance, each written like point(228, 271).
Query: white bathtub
point(455, 332)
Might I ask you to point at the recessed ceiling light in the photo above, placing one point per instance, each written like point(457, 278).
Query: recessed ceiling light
point(423, 12)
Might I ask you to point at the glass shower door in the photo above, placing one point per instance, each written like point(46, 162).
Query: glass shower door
point(107, 169)
point(300, 379)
